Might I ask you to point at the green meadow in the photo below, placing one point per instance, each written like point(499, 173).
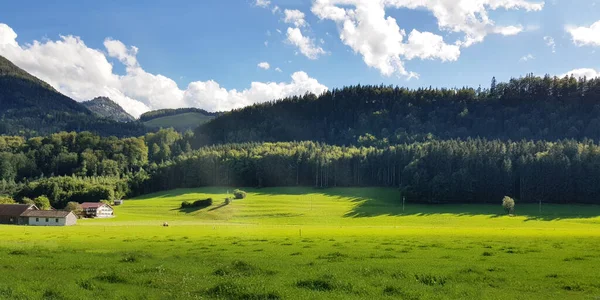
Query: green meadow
point(302, 243)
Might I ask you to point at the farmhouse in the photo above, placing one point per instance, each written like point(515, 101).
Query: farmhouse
point(24, 214)
point(49, 217)
point(97, 210)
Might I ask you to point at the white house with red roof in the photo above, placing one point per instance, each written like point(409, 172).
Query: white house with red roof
point(97, 210)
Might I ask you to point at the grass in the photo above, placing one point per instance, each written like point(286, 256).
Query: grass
point(294, 243)
point(182, 121)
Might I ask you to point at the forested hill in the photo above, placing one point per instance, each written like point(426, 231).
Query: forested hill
point(29, 106)
point(106, 108)
point(547, 108)
point(181, 119)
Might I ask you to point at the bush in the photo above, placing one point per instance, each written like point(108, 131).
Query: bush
point(508, 204)
point(75, 208)
point(6, 200)
point(42, 202)
point(227, 201)
point(239, 194)
point(197, 204)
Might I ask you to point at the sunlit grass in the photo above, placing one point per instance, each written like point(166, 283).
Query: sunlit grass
point(307, 244)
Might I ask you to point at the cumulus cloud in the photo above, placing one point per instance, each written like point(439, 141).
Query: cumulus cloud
point(527, 57)
point(585, 72)
point(264, 65)
point(295, 17)
point(305, 45)
point(364, 27)
point(550, 43)
point(585, 36)
point(278, 70)
point(262, 3)
point(83, 73)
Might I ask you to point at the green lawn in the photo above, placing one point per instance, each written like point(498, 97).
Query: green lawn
point(295, 243)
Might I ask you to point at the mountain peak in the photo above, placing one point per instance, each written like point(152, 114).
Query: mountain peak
point(107, 108)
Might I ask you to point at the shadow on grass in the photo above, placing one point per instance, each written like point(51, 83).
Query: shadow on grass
point(189, 210)
point(372, 202)
point(218, 207)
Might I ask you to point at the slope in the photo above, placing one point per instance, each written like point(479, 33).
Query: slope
point(29, 106)
point(181, 119)
point(106, 108)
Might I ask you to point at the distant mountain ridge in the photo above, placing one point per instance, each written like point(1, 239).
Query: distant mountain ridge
point(30, 106)
point(106, 108)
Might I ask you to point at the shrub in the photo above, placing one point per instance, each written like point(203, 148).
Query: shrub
point(508, 204)
point(6, 200)
point(239, 194)
point(74, 207)
point(227, 201)
point(197, 204)
point(42, 202)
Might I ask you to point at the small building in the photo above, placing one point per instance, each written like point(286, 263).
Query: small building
point(11, 213)
point(97, 210)
point(49, 217)
point(118, 202)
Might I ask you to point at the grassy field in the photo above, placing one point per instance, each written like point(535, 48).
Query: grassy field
point(299, 243)
point(189, 120)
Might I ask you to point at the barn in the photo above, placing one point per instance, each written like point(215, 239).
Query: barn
point(11, 213)
point(49, 218)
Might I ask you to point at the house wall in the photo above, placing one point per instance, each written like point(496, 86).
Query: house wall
point(104, 212)
point(70, 220)
point(8, 220)
point(35, 221)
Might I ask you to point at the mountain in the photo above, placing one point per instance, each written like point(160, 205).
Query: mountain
point(106, 108)
point(30, 106)
point(534, 108)
point(180, 119)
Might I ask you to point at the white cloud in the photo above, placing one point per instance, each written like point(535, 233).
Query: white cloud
point(578, 73)
point(364, 26)
point(262, 3)
point(83, 73)
point(264, 65)
point(585, 36)
point(550, 43)
point(210, 94)
point(305, 45)
point(527, 57)
point(295, 17)
point(278, 70)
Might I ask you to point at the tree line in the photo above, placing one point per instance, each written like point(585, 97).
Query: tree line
point(451, 171)
point(536, 108)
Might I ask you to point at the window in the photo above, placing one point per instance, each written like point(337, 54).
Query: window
point(57, 220)
point(37, 219)
point(46, 220)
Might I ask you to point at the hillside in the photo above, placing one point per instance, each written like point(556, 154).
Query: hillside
point(29, 106)
point(181, 119)
point(537, 108)
point(106, 108)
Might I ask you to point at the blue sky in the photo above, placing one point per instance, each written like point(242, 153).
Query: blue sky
point(223, 42)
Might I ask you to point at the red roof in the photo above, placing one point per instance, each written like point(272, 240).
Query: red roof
point(86, 205)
